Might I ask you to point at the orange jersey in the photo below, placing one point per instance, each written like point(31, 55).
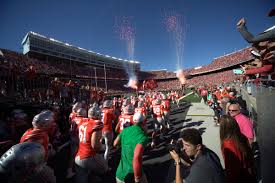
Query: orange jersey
point(166, 105)
point(75, 123)
point(72, 116)
point(37, 135)
point(85, 131)
point(124, 121)
point(108, 116)
point(140, 110)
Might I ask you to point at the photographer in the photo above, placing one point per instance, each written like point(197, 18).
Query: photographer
point(204, 164)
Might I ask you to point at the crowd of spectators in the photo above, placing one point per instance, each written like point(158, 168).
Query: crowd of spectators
point(161, 74)
point(214, 78)
point(115, 79)
point(225, 61)
point(20, 64)
point(168, 85)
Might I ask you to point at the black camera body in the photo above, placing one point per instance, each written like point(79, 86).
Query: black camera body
point(176, 146)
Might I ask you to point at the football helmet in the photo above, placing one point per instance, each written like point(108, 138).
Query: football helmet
point(157, 101)
point(43, 120)
point(107, 104)
point(94, 113)
point(164, 96)
point(129, 109)
point(76, 106)
point(138, 118)
point(22, 158)
point(126, 102)
point(81, 112)
point(140, 104)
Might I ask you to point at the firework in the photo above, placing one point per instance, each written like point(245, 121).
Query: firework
point(174, 24)
point(181, 76)
point(126, 32)
point(132, 83)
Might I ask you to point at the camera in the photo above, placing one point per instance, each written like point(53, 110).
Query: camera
point(176, 146)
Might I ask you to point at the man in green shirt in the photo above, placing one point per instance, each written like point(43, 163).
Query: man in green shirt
point(132, 141)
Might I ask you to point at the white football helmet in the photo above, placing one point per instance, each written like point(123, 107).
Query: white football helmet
point(129, 109)
point(21, 158)
point(138, 118)
point(81, 112)
point(43, 119)
point(94, 113)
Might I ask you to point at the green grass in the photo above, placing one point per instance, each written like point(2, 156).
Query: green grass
point(193, 98)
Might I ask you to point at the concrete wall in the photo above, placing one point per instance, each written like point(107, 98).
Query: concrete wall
point(261, 104)
point(266, 131)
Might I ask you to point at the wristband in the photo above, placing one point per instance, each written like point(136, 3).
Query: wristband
point(177, 163)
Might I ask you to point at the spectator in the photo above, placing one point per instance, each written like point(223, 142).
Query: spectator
point(206, 166)
point(245, 124)
point(265, 36)
point(237, 154)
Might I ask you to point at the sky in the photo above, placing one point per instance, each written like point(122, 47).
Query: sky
point(207, 28)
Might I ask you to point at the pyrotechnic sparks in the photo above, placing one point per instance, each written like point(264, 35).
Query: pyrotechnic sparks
point(171, 23)
point(132, 83)
point(181, 76)
point(126, 31)
point(174, 24)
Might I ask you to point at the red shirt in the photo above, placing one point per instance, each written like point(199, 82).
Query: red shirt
point(262, 70)
point(72, 116)
point(204, 92)
point(108, 117)
point(165, 104)
point(124, 121)
point(140, 110)
point(236, 167)
point(37, 135)
point(85, 131)
point(75, 123)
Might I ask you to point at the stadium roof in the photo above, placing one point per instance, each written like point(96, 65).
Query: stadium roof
point(75, 47)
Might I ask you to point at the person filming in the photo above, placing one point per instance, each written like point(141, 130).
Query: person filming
point(202, 164)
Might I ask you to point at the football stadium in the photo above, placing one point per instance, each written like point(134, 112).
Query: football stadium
point(70, 114)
